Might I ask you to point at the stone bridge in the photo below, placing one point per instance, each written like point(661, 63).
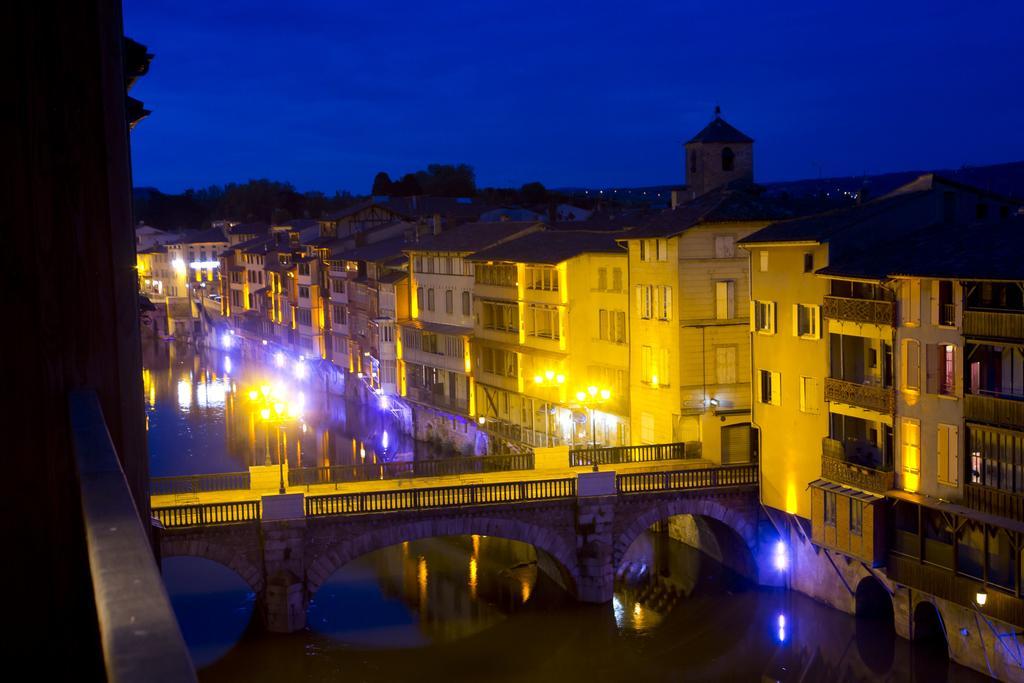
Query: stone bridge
point(286, 548)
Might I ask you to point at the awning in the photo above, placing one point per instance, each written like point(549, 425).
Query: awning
point(856, 494)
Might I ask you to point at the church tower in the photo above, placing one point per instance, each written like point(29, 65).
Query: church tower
point(716, 156)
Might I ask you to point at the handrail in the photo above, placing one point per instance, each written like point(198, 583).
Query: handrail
point(611, 455)
point(176, 516)
point(306, 476)
point(696, 478)
point(140, 636)
point(198, 483)
point(439, 496)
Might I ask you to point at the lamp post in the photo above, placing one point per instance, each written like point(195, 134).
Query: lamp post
point(591, 398)
point(273, 408)
point(549, 379)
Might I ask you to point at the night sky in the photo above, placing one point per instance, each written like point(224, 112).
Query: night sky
point(596, 94)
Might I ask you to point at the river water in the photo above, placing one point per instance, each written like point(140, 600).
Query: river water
point(477, 608)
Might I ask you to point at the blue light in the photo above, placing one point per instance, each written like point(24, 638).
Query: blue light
point(227, 365)
point(383, 400)
point(782, 628)
point(384, 441)
point(780, 557)
point(225, 340)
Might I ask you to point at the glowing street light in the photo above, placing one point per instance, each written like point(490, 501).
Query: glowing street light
point(300, 369)
point(981, 598)
point(279, 359)
point(592, 397)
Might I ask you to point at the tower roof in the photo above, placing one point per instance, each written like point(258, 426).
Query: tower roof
point(719, 131)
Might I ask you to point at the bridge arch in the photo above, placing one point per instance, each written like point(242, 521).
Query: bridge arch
point(711, 509)
point(337, 554)
point(220, 553)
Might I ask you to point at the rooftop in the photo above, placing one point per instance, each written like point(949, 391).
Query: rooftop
point(719, 131)
point(465, 208)
point(471, 237)
point(735, 203)
point(551, 247)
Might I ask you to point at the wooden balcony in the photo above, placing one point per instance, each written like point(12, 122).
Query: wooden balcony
point(837, 469)
point(872, 397)
point(994, 501)
point(860, 310)
point(994, 411)
point(994, 324)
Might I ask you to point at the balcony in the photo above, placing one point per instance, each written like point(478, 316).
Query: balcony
point(994, 324)
point(1007, 412)
point(860, 310)
point(438, 400)
point(836, 467)
point(994, 501)
point(869, 396)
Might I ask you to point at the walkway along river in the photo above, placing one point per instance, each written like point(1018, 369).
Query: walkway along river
point(473, 607)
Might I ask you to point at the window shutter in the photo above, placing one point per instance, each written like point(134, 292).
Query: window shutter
point(602, 324)
point(667, 303)
point(816, 321)
point(753, 316)
point(639, 299)
point(942, 453)
point(935, 302)
point(796, 320)
point(772, 317)
point(776, 389)
point(758, 384)
point(954, 455)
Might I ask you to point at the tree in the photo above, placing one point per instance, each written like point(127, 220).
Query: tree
point(533, 193)
point(447, 180)
point(382, 185)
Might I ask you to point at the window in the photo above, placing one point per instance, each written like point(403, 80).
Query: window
point(830, 508)
point(303, 269)
point(467, 305)
point(498, 362)
point(693, 162)
point(769, 387)
point(941, 369)
point(502, 275)
point(338, 313)
point(910, 432)
point(499, 316)
point(806, 321)
point(948, 453)
point(303, 316)
point(653, 250)
point(725, 300)
point(543, 278)
point(808, 263)
point(611, 326)
point(602, 279)
point(664, 302)
point(810, 401)
point(997, 458)
point(943, 307)
point(303, 292)
point(419, 299)
point(725, 364)
point(911, 365)
point(728, 159)
point(856, 517)
point(762, 317)
point(449, 302)
point(542, 321)
point(616, 279)
point(430, 299)
point(654, 366)
point(338, 286)
point(645, 301)
point(910, 306)
point(764, 261)
point(725, 246)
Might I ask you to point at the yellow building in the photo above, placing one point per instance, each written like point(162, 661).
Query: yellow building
point(551, 322)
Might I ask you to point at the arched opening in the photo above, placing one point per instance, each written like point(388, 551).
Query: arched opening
point(728, 159)
point(875, 625)
point(677, 558)
point(434, 590)
point(213, 604)
point(693, 161)
point(929, 630)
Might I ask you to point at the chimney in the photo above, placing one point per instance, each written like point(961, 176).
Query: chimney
point(676, 199)
point(437, 224)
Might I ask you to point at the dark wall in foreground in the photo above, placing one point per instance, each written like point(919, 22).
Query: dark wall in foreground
point(71, 311)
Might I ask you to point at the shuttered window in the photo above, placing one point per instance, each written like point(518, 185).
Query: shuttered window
point(948, 453)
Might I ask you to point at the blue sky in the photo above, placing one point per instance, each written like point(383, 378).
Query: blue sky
point(598, 94)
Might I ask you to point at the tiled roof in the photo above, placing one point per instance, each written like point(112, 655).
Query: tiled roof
point(419, 207)
point(257, 228)
point(551, 247)
point(471, 237)
point(438, 328)
point(739, 203)
point(378, 251)
point(198, 236)
point(720, 131)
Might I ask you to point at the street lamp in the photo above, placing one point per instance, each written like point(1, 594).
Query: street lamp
point(591, 398)
point(273, 408)
point(549, 379)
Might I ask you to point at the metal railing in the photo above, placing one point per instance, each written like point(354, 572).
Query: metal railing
point(842, 471)
point(437, 399)
point(680, 480)
point(208, 513)
point(870, 396)
point(440, 496)
point(444, 467)
point(859, 310)
point(137, 627)
point(198, 483)
point(611, 455)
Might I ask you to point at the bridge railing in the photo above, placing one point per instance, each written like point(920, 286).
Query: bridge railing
point(340, 474)
point(702, 478)
point(198, 483)
point(440, 496)
point(208, 513)
point(613, 455)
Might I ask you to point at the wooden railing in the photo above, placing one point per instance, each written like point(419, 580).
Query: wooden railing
point(198, 483)
point(677, 480)
point(208, 513)
point(994, 324)
point(994, 501)
point(841, 471)
point(444, 467)
point(860, 310)
point(872, 397)
point(440, 496)
point(994, 411)
point(580, 457)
